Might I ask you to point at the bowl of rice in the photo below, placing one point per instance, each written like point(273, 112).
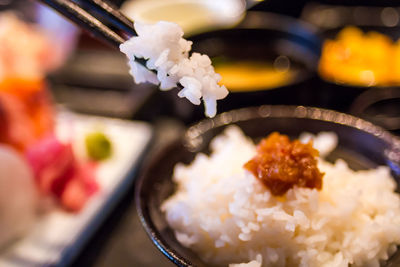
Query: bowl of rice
point(200, 207)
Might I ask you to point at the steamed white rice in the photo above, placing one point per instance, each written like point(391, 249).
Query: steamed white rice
point(229, 217)
point(168, 53)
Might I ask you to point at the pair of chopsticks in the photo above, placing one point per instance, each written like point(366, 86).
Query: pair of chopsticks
point(101, 19)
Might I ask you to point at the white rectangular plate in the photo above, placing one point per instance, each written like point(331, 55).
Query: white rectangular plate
point(59, 235)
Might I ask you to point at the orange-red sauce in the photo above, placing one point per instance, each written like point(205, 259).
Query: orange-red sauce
point(282, 164)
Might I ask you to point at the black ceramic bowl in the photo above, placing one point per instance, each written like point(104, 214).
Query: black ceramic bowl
point(340, 96)
point(261, 37)
point(380, 106)
point(361, 144)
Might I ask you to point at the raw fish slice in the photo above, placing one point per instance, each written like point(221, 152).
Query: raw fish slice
point(18, 198)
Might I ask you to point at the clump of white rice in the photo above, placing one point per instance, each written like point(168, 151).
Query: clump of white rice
point(168, 53)
point(229, 217)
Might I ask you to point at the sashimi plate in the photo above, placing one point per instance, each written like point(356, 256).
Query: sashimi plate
point(59, 235)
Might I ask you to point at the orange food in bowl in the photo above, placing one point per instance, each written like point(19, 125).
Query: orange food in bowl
point(249, 75)
point(361, 59)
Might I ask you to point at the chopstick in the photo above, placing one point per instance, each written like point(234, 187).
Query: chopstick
point(85, 20)
point(94, 26)
point(113, 14)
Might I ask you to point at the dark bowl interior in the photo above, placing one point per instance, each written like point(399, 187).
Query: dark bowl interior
point(341, 96)
point(264, 42)
point(262, 37)
point(361, 144)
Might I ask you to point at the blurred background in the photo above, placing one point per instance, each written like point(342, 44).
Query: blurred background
point(283, 58)
point(278, 47)
point(337, 54)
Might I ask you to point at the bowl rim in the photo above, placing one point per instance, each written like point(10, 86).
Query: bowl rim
point(371, 97)
point(275, 21)
point(268, 21)
point(243, 114)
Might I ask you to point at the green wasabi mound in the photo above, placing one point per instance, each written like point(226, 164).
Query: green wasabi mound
point(98, 146)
